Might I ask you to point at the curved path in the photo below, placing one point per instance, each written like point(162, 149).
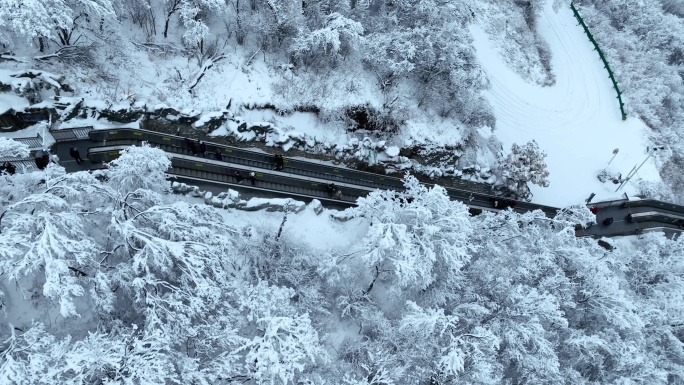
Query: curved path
point(577, 121)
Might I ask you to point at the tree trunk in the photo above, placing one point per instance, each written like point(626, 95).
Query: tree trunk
point(172, 10)
point(239, 34)
point(370, 286)
point(166, 25)
point(65, 36)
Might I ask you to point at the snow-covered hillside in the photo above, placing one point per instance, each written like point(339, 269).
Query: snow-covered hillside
point(430, 79)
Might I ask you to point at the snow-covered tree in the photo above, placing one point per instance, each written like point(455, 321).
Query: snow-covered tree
point(140, 167)
point(121, 356)
point(394, 52)
point(522, 165)
point(43, 19)
point(568, 217)
point(417, 243)
point(12, 148)
point(46, 235)
point(338, 37)
point(654, 272)
point(419, 235)
point(442, 345)
point(171, 261)
point(280, 342)
point(194, 20)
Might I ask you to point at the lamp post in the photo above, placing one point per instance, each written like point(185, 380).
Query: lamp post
point(615, 152)
point(636, 169)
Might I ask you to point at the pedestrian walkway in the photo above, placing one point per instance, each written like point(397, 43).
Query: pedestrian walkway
point(306, 181)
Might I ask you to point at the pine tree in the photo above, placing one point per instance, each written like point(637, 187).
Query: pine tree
point(522, 165)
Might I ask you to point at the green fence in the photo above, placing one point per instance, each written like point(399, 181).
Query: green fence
point(603, 59)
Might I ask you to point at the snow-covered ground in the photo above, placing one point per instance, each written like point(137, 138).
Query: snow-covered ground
point(319, 232)
point(576, 122)
point(303, 122)
point(10, 101)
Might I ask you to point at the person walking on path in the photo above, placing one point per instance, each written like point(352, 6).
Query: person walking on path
point(9, 168)
point(75, 154)
point(42, 159)
point(40, 163)
point(332, 189)
point(218, 155)
point(191, 146)
point(252, 178)
point(203, 149)
point(279, 163)
point(238, 177)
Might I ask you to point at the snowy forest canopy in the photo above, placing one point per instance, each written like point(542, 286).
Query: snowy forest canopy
point(127, 283)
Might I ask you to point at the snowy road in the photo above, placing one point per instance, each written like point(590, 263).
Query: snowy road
point(576, 122)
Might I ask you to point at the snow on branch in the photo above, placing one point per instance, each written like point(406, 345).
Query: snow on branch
point(11, 148)
point(73, 54)
point(140, 167)
point(7, 56)
point(159, 47)
point(338, 33)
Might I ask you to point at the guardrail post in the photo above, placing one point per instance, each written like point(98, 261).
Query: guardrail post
point(603, 59)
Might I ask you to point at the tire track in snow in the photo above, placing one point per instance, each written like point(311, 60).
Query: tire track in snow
point(571, 45)
point(576, 121)
point(574, 99)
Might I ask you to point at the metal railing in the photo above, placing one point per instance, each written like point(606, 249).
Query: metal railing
point(603, 59)
point(133, 136)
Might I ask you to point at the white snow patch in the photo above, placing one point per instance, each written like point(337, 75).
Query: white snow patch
point(11, 101)
point(281, 202)
point(32, 132)
point(325, 162)
point(299, 124)
point(205, 118)
point(392, 151)
point(97, 124)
